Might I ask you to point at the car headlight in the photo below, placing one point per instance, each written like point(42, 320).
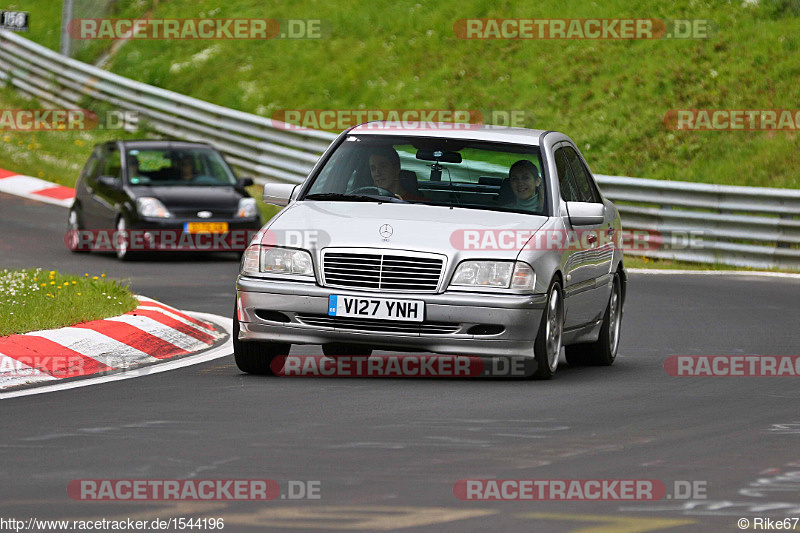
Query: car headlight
point(259, 259)
point(247, 208)
point(151, 208)
point(494, 274)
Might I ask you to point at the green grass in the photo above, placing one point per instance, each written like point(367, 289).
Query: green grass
point(610, 96)
point(35, 299)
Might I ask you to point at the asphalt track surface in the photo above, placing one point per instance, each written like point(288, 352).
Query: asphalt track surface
point(387, 452)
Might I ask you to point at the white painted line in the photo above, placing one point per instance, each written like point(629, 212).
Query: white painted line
point(714, 272)
point(171, 314)
point(216, 353)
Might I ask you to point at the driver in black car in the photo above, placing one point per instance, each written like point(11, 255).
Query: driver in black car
point(384, 165)
point(186, 168)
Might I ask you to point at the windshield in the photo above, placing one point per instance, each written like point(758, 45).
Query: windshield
point(448, 172)
point(182, 166)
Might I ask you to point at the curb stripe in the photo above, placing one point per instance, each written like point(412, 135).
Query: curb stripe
point(174, 324)
point(135, 337)
point(50, 357)
point(6, 173)
point(177, 316)
point(99, 347)
point(146, 302)
point(59, 192)
point(161, 331)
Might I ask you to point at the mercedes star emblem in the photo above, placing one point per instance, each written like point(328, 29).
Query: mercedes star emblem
point(386, 231)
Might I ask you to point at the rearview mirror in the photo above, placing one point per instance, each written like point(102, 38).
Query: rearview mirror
point(439, 155)
point(278, 193)
point(585, 214)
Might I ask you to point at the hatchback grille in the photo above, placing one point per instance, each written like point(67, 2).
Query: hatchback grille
point(378, 271)
point(381, 326)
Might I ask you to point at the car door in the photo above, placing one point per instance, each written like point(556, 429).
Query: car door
point(596, 250)
point(107, 196)
point(84, 188)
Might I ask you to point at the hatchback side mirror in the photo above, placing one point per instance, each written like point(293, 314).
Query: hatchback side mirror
point(245, 182)
point(109, 182)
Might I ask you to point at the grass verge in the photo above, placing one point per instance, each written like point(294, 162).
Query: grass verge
point(35, 299)
point(635, 261)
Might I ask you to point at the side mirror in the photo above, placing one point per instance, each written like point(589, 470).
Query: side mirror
point(109, 182)
point(278, 193)
point(245, 182)
point(585, 214)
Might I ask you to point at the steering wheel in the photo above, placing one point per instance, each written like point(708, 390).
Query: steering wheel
point(373, 189)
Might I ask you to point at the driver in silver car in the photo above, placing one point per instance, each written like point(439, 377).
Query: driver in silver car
point(384, 165)
point(526, 184)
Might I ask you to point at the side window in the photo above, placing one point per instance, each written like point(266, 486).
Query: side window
point(92, 168)
point(566, 181)
point(581, 175)
point(112, 166)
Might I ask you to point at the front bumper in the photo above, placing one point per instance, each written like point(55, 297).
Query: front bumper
point(169, 235)
point(296, 313)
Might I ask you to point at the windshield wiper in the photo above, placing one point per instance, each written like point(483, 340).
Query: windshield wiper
point(336, 196)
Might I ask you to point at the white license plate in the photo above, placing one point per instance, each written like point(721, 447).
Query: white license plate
point(378, 308)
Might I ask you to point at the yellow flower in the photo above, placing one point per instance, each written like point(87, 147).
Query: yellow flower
point(66, 283)
point(52, 283)
point(79, 294)
point(103, 275)
point(95, 277)
point(78, 142)
point(74, 282)
point(52, 272)
point(44, 284)
point(6, 138)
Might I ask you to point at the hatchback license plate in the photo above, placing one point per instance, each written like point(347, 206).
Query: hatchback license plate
point(378, 308)
point(205, 227)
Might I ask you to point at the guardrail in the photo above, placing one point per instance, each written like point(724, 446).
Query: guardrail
point(248, 141)
point(743, 226)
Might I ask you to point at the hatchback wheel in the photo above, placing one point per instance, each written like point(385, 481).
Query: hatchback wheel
point(74, 228)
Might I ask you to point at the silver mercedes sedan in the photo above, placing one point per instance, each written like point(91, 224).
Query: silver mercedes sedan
point(449, 238)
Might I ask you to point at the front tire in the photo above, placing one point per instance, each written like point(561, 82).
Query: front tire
point(74, 229)
point(122, 244)
point(547, 347)
point(256, 357)
point(602, 352)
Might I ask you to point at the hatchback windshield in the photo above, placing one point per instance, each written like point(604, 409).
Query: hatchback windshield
point(447, 172)
point(196, 166)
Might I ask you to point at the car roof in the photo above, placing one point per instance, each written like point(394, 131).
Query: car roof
point(475, 132)
point(160, 143)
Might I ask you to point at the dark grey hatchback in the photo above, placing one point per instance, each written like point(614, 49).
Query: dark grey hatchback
point(154, 195)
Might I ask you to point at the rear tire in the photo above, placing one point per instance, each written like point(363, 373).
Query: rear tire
point(547, 347)
point(602, 352)
point(256, 357)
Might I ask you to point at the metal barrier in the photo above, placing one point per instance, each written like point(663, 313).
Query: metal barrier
point(743, 226)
